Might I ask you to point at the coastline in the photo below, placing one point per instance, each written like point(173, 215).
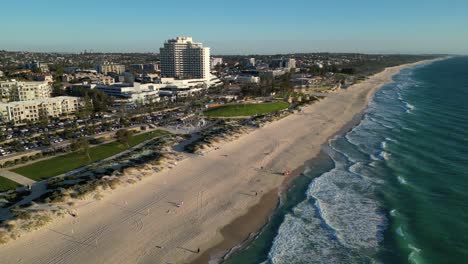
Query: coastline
point(237, 227)
point(140, 224)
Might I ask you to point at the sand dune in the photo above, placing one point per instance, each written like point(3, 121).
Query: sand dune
point(141, 224)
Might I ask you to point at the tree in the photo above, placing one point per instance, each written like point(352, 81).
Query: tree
point(43, 118)
point(81, 145)
point(123, 137)
point(57, 89)
point(87, 108)
point(286, 85)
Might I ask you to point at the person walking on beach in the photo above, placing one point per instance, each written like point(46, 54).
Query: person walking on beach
point(198, 250)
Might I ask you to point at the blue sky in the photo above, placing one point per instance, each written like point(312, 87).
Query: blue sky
point(237, 27)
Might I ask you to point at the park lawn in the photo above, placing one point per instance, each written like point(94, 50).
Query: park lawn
point(61, 164)
point(246, 109)
point(7, 184)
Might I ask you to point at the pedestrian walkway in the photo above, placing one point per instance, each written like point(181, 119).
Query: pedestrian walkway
point(16, 177)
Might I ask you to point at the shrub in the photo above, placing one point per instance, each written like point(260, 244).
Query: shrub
point(24, 215)
point(114, 183)
point(131, 181)
point(4, 237)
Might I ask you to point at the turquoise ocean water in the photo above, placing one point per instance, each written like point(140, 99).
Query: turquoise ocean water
point(394, 189)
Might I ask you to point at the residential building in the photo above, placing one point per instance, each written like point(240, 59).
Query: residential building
point(42, 77)
point(215, 62)
point(85, 77)
point(25, 91)
point(150, 67)
point(250, 62)
point(146, 68)
point(20, 112)
point(243, 79)
point(136, 67)
point(107, 67)
point(290, 63)
point(182, 58)
point(38, 66)
point(283, 63)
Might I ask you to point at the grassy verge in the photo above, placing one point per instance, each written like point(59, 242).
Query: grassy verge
point(55, 166)
point(6, 184)
point(245, 109)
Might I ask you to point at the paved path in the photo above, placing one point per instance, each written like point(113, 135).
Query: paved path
point(16, 177)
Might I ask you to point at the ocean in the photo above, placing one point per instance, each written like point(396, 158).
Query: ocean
point(394, 189)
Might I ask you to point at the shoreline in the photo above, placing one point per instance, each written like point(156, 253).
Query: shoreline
point(140, 223)
point(222, 251)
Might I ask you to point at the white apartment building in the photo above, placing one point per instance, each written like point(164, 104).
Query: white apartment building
point(250, 61)
point(290, 63)
point(107, 67)
point(182, 58)
point(25, 91)
point(20, 112)
point(215, 62)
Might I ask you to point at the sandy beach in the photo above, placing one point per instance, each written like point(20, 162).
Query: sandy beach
point(142, 224)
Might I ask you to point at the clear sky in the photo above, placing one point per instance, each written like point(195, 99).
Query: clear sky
point(237, 27)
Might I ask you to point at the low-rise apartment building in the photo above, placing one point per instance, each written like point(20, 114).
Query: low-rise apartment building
point(21, 112)
point(25, 91)
point(107, 67)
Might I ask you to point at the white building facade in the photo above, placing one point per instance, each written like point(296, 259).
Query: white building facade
point(21, 112)
point(25, 91)
point(107, 67)
point(182, 58)
point(133, 93)
point(215, 62)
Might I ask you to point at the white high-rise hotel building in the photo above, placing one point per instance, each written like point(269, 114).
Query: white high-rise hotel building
point(181, 58)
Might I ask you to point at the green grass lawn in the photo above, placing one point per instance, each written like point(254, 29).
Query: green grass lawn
point(245, 109)
point(6, 184)
point(55, 166)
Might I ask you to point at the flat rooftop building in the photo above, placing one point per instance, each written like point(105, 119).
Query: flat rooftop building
point(25, 91)
point(21, 112)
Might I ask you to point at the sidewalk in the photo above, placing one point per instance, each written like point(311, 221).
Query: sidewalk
point(16, 177)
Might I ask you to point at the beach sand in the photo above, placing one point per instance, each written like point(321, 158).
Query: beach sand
point(141, 222)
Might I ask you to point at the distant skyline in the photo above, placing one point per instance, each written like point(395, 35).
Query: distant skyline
point(237, 27)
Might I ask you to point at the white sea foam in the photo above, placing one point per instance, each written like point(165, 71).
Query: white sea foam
point(409, 107)
point(385, 155)
point(414, 256)
point(399, 231)
point(402, 180)
point(393, 212)
point(354, 217)
point(356, 168)
point(302, 239)
point(408, 128)
point(384, 144)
